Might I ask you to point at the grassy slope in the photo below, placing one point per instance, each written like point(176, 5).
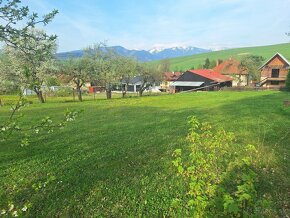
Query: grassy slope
point(185, 63)
point(115, 160)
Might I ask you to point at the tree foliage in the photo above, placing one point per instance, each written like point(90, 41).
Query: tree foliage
point(288, 81)
point(32, 64)
point(78, 71)
point(149, 75)
point(206, 64)
point(30, 47)
point(251, 64)
point(126, 70)
point(29, 54)
point(164, 65)
point(12, 13)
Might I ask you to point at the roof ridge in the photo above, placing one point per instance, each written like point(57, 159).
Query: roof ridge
point(280, 55)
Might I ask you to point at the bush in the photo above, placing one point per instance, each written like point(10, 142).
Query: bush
point(219, 181)
point(62, 92)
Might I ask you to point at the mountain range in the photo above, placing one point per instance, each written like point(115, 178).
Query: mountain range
point(143, 55)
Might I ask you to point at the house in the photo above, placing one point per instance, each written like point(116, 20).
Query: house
point(231, 68)
point(274, 72)
point(193, 79)
point(134, 84)
point(168, 79)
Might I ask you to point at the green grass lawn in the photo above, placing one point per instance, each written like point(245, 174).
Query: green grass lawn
point(115, 160)
point(188, 62)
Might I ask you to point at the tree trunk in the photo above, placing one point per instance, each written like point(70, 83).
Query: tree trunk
point(109, 93)
point(39, 94)
point(124, 90)
point(79, 91)
point(141, 92)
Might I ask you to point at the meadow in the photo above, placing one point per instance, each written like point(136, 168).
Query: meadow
point(115, 160)
point(188, 62)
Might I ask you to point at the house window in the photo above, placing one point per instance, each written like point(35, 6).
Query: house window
point(274, 82)
point(275, 73)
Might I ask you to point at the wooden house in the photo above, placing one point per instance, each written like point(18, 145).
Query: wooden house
point(193, 79)
point(231, 68)
point(274, 72)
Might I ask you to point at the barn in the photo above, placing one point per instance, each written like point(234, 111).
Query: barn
point(204, 79)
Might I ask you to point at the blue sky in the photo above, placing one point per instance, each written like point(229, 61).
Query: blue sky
point(144, 24)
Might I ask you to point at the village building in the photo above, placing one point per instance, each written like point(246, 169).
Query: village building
point(134, 85)
point(205, 79)
point(231, 67)
point(274, 72)
point(168, 79)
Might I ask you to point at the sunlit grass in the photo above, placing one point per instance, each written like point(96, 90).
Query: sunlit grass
point(115, 159)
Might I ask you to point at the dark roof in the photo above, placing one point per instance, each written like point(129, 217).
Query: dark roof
point(212, 75)
point(134, 80)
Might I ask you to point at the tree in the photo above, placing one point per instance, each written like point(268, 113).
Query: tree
point(78, 71)
point(105, 64)
point(34, 62)
point(200, 66)
point(126, 69)
point(164, 65)
point(252, 64)
point(212, 64)
point(288, 81)
point(24, 39)
point(16, 31)
point(15, 35)
point(149, 76)
point(9, 83)
point(206, 63)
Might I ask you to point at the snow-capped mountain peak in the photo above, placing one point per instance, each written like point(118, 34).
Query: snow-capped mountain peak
point(156, 53)
point(156, 50)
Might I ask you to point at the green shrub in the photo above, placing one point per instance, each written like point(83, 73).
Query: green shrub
point(218, 181)
point(288, 81)
point(63, 92)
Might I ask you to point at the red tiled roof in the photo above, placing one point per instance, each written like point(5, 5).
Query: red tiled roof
point(171, 76)
point(230, 67)
point(212, 75)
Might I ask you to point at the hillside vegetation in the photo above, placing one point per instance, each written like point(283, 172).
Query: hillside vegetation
point(115, 160)
point(188, 62)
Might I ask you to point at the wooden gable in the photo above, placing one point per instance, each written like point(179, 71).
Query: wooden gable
point(276, 61)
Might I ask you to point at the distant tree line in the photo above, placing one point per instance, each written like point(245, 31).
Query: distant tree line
point(35, 68)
